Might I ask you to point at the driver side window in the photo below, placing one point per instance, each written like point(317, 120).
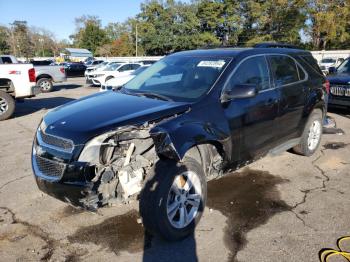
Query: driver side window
point(252, 71)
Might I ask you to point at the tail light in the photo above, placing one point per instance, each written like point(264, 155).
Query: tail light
point(327, 85)
point(62, 70)
point(31, 74)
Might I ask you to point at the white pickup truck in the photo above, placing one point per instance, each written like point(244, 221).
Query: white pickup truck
point(46, 75)
point(16, 81)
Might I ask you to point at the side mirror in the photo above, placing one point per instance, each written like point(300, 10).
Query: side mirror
point(332, 70)
point(239, 91)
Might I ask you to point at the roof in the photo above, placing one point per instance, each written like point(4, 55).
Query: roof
point(232, 52)
point(77, 52)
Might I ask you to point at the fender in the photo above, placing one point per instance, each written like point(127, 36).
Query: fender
point(173, 141)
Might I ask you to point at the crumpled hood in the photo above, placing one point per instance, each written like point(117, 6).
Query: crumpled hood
point(83, 119)
point(339, 79)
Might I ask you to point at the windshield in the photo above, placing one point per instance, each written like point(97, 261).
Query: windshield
point(328, 60)
point(101, 64)
point(344, 67)
point(112, 66)
point(180, 78)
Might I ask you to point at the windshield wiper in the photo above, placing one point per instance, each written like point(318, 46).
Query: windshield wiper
point(153, 95)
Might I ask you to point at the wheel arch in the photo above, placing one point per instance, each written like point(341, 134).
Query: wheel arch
point(43, 76)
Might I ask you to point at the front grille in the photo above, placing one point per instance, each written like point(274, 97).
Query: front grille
point(340, 90)
point(55, 141)
point(49, 167)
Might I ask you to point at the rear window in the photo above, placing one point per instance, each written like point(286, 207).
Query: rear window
point(6, 60)
point(310, 64)
point(284, 70)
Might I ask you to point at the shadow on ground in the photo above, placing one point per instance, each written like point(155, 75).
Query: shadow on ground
point(345, 112)
point(65, 86)
point(29, 106)
point(248, 199)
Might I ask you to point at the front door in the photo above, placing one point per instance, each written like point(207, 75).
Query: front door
point(252, 119)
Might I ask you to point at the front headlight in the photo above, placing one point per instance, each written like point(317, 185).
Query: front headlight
point(91, 151)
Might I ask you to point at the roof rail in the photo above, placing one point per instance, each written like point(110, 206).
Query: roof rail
point(275, 45)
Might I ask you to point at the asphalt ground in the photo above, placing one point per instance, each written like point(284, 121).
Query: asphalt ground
point(280, 208)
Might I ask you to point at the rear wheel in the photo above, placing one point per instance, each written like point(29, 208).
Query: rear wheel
point(45, 84)
point(173, 199)
point(7, 105)
point(312, 134)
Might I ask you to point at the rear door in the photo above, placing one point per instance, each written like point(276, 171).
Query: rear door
point(253, 119)
point(290, 80)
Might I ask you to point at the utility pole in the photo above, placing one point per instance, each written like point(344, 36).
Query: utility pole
point(136, 40)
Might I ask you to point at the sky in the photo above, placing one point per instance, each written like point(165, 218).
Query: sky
point(58, 16)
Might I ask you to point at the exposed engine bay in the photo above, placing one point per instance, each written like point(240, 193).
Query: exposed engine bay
point(125, 159)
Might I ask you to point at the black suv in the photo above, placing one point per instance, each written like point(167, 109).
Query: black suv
point(188, 118)
point(340, 85)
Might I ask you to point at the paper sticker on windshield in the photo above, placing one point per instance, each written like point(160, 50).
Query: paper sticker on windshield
point(215, 64)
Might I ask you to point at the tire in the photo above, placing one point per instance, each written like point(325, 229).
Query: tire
point(45, 85)
point(7, 105)
point(312, 134)
point(158, 199)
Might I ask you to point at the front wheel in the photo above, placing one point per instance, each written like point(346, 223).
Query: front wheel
point(173, 198)
point(7, 105)
point(311, 136)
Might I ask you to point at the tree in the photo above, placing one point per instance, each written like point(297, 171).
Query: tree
point(20, 40)
point(4, 43)
point(278, 21)
point(115, 30)
point(89, 33)
point(329, 22)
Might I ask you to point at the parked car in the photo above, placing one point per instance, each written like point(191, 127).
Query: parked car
point(17, 81)
point(93, 62)
point(116, 82)
point(326, 63)
point(190, 117)
point(46, 75)
point(90, 71)
point(74, 69)
point(340, 85)
point(113, 70)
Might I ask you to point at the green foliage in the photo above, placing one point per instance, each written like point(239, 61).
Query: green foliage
point(4, 43)
point(90, 34)
point(330, 24)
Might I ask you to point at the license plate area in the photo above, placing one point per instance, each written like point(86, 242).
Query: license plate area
point(340, 90)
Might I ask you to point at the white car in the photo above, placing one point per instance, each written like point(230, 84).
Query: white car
point(89, 72)
point(116, 82)
point(328, 62)
point(114, 70)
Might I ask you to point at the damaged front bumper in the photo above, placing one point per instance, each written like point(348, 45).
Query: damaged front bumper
point(109, 168)
point(66, 182)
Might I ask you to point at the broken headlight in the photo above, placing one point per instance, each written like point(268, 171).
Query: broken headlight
point(91, 151)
